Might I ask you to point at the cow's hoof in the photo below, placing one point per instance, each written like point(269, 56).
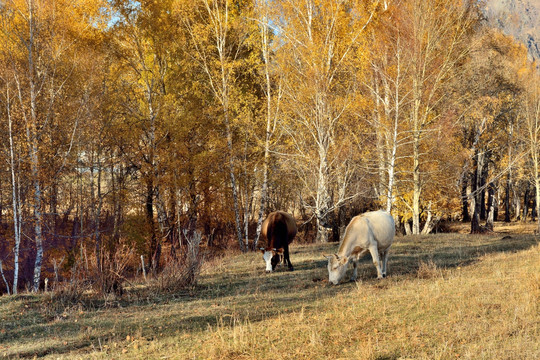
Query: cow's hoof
point(291, 269)
point(353, 279)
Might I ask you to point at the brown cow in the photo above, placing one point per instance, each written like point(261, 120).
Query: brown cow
point(279, 229)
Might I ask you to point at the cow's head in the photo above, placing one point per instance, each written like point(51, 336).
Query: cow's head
point(272, 258)
point(337, 266)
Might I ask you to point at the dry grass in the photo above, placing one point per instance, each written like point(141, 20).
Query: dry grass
point(449, 296)
point(428, 270)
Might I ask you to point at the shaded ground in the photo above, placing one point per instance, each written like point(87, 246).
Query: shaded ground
point(230, 289)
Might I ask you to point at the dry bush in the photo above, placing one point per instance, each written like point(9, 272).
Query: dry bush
point(68, 294)
point(182, 273)
point(87, 282)
point(427, 270)
point(112, 274)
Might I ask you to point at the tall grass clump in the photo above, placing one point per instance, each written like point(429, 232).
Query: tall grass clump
point(427, 270)
point(183, 272)
point(112, 274)
point(69, 293)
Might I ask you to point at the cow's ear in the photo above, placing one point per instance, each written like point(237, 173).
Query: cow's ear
point(279, 251)
point(343, 260)
point(262, 250)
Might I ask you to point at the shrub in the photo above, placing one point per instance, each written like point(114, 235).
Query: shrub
point(68, 294)
point(427, 270)
point(110, 278)
point(183, 272)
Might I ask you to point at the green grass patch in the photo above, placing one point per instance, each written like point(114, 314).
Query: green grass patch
point(448, 296)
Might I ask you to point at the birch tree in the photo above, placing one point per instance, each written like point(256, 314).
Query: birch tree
point(322, 40)
point(142, 40)
point(438, 33)
point(28, 85)
point(390, 96)
point(217, 32)
point(40, 54)
point(531, 117)
point(15, 198)
point(273, 93)
point(489, 114)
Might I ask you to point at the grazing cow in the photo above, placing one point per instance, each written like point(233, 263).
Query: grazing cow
point(373, 232)
point(279, 228)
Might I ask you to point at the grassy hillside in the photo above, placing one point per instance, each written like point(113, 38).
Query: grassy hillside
point(447, 296)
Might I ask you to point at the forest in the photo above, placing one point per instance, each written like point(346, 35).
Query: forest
point(137, 134)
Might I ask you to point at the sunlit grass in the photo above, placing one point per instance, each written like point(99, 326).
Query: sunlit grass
point(447, 296)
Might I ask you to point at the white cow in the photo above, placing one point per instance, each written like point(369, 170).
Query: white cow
point(372, 231)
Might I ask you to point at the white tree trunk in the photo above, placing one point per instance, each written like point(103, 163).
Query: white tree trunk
point(379, 132)
point(248, 195)
point(15, 201)
point(407, 227)
point(391, 175)
point(392, 158)
point(322, 198)
point(97, 212)
point(38, 218)
point(233, 181)
point(4, 278)
point(264, 190)
point(416, 173)
point(394, 141)
point(428, 226)
point(270, 115)
point(31, 131)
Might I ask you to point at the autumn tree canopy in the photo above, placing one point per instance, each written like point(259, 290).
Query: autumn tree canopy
point(133, 127)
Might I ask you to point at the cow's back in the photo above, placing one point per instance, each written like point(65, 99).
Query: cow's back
point(376, 225)
point(279, 228)
point(383, 227)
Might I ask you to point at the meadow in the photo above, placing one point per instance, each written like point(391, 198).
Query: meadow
point(448, 296)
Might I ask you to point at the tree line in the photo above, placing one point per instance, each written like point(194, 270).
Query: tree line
point(132, 127)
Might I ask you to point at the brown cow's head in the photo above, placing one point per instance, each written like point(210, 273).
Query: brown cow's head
point(272, 258)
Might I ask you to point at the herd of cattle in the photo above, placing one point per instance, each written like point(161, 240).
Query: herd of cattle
point(371, 232)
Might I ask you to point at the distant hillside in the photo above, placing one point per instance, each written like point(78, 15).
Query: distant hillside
point(519, 18)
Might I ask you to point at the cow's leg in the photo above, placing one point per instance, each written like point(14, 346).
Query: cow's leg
point(375, 255)
point(355, 269)
point(383, 265)
point(356, 262)
point(384, 262)
point(286, 257)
